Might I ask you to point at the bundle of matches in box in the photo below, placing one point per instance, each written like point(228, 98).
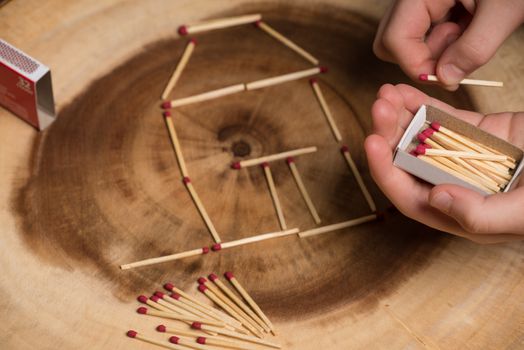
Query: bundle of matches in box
point(471, 156)
point(242, 326)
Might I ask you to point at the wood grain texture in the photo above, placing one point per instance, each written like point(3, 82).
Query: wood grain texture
point(105, 189)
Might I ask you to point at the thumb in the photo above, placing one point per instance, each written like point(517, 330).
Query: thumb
point(492, 23)
point(498, 213)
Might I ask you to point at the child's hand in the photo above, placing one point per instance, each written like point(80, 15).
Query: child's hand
point(449, 208)
point(436, 36)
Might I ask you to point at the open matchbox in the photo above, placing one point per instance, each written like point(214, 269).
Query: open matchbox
point(404, 160)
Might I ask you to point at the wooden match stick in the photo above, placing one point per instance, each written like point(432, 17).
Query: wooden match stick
point(305, 195)
point(179, 307)
point(232, 279)
point(218, 24)
point(230, 344)
point(229, 90)
point(430, 77)
point(179, 68)
point(459, 154)
point(259, 84)
point(273, 157)
point(188, 298)
point(325, 109)
point(339, 226)
point(135, 335)
point(177, 317)
point(165, 258)
point(145, 300)
point(358, 177)
point(200, 326)
point(214, 278)
point(201, 209)
point(185, 342)
point(253, 239)
point(174, 330)
point(214, 298)
point(176, 144)
point(290, 44)
point(274, 195)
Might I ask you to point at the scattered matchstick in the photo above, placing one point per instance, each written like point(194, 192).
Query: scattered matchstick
point(253, 239)
point(210, 95)
point(339, 226)
point(136, 335)
point(173, 330)
point(202, 209)
point(200, 326)
point(290, 44)
point(218, 24)
point(430, 77)
point(325, 109)
point(177, 307)
point(273, 157)
point(358, 177)
point(259, 84)
point(145, 300)
point(176, 144)
point(459, 154)
point(166, 258)
point(181, 341)
point(274, 195)
point(178, 317)
point(232, 279)
point(305, 195)
point(179, 68)
point(230, 344)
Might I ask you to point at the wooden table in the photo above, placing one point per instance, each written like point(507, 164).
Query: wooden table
point(101, 187)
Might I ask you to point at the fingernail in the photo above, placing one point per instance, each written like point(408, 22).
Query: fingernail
point(451, 74)
point(442, 201)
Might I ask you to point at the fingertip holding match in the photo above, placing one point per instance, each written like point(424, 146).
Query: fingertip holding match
point(323, 69)
point(131, 333)
point(182, 30)
point(202, 288)
point(169, 286)
point(142, 310)
point(161, 328)
point(202, 280)
point(229, 275)
point(235, 165)
point(212, 277)
point(166, 105)
point(216, 247)
point(423, 77)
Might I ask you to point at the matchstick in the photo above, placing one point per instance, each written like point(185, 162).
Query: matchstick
point(200, 326)
point(224, 298)
point(165, 258)
point(214, 298)
point(230, 344)
point(136, 335)
point(214, 278)
point(202, 209)
point(179, 68)
point(259, 84)
point(176, 144)
point(358, 177)
point(305, 195)
point(188, 298)
point(274, 196)
point(181, 341)
point(273, 157)
point(459, 154)
point(177, 317)
point(430, 77)
point(174, 307)
point(144, 300)
point(232, 279)
point(210, 95)
point(287, 42)
point(339, 226)
point(325, 109)
point(218, 24)
point(253, 239)
point(174, 330)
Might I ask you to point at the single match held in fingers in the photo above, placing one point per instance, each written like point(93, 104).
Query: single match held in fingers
point(287, 42)
point(358, 177)
point(273, 157)
point(274, 195)
point(166, 258)
point(325, 109)
point(303, 191)
point(135, 335)
point(218, 24)
point(176, 143)
point(221, 331)
point(179, 68)
point(339, 226)
point(210, 95)
point(259, 84)
point(430, 77)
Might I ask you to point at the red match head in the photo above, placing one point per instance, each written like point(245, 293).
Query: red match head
point(257, 23)
point(166, 114)
point(235, 165)
point(425, 145)
point(142, 299)
point(216, 247)
point(435, 125)
point(202, 280)
point(166, 105)
point(313, 81)
point(205, 250)
point(212, 277)
point(290, 160)
point(174, 339)
point(193, 41)
point(229, 275)
point(420, 150)
point(175, 296)
point(196, 325)
point(169, 286)
point(422, 137)
point(344, 149)
point(131, 333)
point(265, 165)
point(186, 180)
point(202, 288)
point(161, 328)
point(160, 294)
point(154, 298)
point(413, 153)
point(423, 77)
point(201, 340)
point(142, 310)
point(323, 69)
point(182, 30)
point(428, 132)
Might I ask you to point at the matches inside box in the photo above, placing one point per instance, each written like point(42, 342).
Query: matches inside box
point(440, 149)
